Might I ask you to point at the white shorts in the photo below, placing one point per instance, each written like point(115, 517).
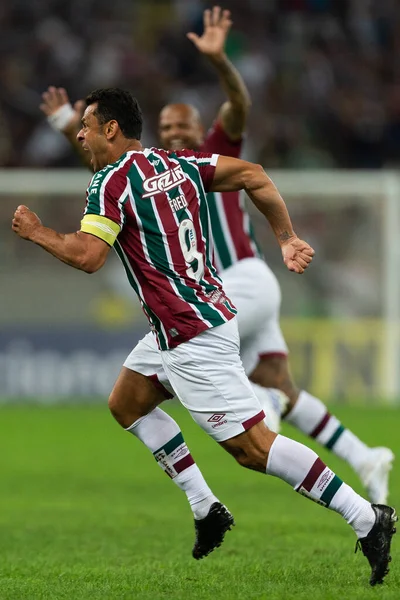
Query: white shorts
point(255, 291)
point(145, 358)
point(207, 375)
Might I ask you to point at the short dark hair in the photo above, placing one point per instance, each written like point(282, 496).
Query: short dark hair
point(120, 105)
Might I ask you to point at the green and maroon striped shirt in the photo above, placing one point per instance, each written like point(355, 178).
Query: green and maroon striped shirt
point(151, 206)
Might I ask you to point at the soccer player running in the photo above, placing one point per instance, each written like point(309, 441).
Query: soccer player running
point(150, 205)
point(247, 279)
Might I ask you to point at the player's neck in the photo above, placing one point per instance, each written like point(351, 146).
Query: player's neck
point(124, 145)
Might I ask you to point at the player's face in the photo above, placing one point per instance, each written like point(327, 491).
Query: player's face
point(92, 138)
point(179, 127)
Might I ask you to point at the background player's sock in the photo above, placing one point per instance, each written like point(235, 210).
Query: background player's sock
point(312, 417)
point(307, 474)
point(163, 437)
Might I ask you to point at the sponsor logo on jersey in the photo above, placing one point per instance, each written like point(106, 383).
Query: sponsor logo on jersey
point(163, 182)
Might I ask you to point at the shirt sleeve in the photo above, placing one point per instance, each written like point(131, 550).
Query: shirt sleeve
point(205, 162)
point(104, 214)
point(218, 141)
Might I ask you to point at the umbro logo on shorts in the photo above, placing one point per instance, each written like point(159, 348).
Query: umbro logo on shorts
point(216, 418)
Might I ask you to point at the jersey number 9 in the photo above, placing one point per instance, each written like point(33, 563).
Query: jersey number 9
point(188, 242)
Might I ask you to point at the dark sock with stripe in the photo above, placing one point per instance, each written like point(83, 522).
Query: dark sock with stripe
point(307, 474)
point(311, 416)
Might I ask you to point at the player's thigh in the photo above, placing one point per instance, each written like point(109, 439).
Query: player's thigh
point(141, 384)
point(145, 358)
point(209, 380)
point(255, 292)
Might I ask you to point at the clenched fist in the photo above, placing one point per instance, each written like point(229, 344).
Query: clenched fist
point(25, 222)
point(297, 254)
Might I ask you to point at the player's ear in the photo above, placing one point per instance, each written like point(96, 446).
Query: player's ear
point(111, 129)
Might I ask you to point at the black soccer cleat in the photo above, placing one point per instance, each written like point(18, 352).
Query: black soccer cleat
point(210, 531)
point(376, 545)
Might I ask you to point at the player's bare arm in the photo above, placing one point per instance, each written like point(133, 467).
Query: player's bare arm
point(65, 118)
point(232, 174)
point(233, 113)
point(80, 250)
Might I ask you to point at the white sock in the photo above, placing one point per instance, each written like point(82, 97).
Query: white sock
point(312, 417)
point(163, 437)
point(351, 449)
point(307, 474)
point(357, 511)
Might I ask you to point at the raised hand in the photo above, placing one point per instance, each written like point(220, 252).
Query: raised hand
point(217, 24)
point(297, 254)
point(57, 106)
point(25, 222)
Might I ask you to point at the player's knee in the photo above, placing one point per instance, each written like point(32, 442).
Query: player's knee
point(126, 408)
point(116, 409)
point(254, 459)
point(250, 455)
point(120, 410)
point(251, 448)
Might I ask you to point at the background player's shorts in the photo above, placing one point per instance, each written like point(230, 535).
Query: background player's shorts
point(255, 291)
point(207, 376)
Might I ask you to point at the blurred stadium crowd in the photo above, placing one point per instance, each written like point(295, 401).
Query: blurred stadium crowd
point(324, 75)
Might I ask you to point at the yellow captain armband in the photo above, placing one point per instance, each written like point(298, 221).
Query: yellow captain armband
point(101, 227)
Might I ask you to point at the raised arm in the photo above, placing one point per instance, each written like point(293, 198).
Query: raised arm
point(233, 113)
point(232, 174)
point(65, 118)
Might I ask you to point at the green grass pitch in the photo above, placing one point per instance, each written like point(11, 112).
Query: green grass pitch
point(86, 513)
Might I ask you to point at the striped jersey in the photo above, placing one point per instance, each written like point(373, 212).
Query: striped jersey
point(230, 222)
point(151, 206)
